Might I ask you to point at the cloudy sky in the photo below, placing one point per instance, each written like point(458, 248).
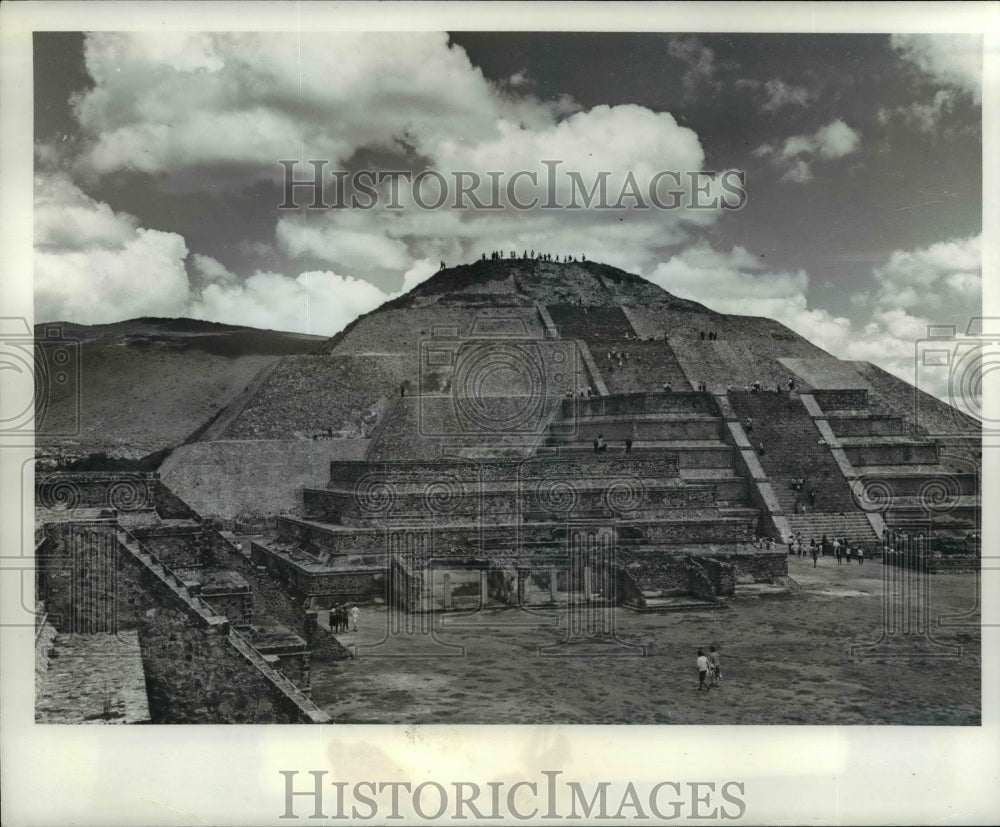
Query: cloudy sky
point(157, 185)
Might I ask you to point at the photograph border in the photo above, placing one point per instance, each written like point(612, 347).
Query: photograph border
point(231, 775)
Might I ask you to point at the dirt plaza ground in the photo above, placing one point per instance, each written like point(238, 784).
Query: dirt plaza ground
point(814, 654)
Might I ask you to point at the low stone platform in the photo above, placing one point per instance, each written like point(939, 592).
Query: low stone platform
point(94, 679)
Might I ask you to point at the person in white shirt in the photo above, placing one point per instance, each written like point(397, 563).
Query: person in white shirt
point(702, 671)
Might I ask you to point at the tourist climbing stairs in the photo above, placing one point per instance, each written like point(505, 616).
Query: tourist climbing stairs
point(806, 479)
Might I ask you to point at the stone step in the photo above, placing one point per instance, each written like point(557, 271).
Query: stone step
point(852, 526)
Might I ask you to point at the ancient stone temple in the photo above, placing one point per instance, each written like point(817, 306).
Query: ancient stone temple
point(519, 434)
point(533, 417)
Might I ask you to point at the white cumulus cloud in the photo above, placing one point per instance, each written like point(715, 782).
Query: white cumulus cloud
point(93, 266)
point(799, 153)
point(781, 94)
point(939, 284)
point(952, 59)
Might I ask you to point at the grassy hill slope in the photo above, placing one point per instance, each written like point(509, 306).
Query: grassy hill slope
point(148, 384)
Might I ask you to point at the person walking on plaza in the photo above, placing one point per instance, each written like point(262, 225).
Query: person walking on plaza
point(628, 445)
point(702, 671)
point(861, 555)
point(715, 666)
point(355, 614)
point(815, 553)
point(836, 549)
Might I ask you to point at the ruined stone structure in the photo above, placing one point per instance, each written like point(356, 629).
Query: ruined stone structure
point(509, 434)
point(147, 615)
point(501, 454)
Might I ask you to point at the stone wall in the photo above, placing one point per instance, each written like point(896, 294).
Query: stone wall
point(432, 426)
point(647, 573)
point(169, 506)
point(634, 404)
point(721, 457)
point(552, 500)
point(346, 475)
point(728, 530)
point(369, 546)
point(762, 566)
point(225, 479)
point(194, 674)
point(305, 395)
point(323, 587)
point(721, 573)
point(698, 581)
point(195, 671)
point(866, 425)
point(45, 635)
point(79, 578)
point(841, 400)
point(269, 598)
point(904, 485)
point(69, 490)
point(641, 430)
point(892, 454)
point(177, 547)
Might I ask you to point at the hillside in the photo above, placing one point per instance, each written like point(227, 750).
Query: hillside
point(147, 384)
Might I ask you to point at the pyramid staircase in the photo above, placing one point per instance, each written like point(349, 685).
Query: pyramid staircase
point(794, 448)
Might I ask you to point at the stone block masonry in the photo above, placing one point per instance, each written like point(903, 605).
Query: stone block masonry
point(196, 671)
point(226, 479)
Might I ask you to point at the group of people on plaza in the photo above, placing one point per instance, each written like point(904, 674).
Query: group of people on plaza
point(840, 548)
point(343, 616)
